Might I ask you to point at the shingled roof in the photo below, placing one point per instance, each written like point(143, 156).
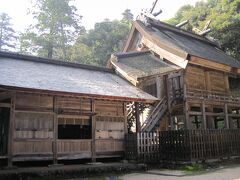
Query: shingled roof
point(193, 44)
point(34, 73)
point(183, 43)
point(138, 65)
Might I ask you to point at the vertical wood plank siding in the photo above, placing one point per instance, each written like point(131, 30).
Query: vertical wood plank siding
point(183, 145)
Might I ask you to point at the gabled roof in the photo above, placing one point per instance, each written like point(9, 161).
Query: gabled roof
point(180, 43)
point(137, 65)
point(193, 44)
point(34, 73)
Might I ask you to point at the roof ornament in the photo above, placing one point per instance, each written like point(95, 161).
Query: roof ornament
point(181, 24)
point(204, 31)
point(147, 14)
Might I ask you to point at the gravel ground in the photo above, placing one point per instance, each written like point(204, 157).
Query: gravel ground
point(223, 173)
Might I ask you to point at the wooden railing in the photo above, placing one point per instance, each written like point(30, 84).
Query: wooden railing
point(183, 145)
point(214, 96)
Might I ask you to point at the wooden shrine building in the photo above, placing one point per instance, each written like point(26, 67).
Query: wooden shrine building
point(197, 83)
point(54, 110)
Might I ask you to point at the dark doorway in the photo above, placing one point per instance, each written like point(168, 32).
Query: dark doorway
point(4, 126)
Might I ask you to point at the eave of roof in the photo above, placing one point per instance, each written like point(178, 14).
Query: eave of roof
point(135, 66)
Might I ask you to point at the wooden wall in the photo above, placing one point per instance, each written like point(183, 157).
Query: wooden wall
point(33, 125)
point(206, 79)
point(154, 86)
point(110, 127)
point(33, 129)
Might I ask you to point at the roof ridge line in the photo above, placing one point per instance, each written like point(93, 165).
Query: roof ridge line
point(131, 53)
point(181, 31)
point(52, 61)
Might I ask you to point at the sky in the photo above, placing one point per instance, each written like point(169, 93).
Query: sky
point(92, 10)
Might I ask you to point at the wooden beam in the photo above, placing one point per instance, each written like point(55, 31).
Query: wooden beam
point(166, 81)
point(195, 113)
point(204, 119)
point(11, 129)
point(34, 112)
point(158, 84)
point(93, 132)
point(78, 95)
point(207, 80)
point(234, 115)
point(226, 116)
point(5, 95)
point(6, 105)
point(137, 113)
point(209, 64)
point(130, 39)
point(165, 54)
point(55, 130)
point(214, 114)
point(187, 122)
point(75, 116)
point(226, 80)
point(125, 117)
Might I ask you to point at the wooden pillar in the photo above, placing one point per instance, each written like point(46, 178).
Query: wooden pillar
point(208, 80)
point(158, 84)
point(187, 118)
point(210, 119)
point(226, 116)
point(230, 119)
point(204, 118)
point(125, 117)
point(11, 129)
point(137, 113)
point(226, 82)
point(55, 129)
point(187, 124)
point(238, 119)
point(93, 118)
point(168, 95)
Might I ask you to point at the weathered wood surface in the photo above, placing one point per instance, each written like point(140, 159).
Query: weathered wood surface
point(183, 145)
point(205, 79)
point(36, 121)
point(73, 146)
point(32, 147)
point(212, 96)
point(109, 145)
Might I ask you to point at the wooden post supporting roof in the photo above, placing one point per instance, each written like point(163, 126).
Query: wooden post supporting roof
point(10, 131)
point(168, 102)
point(93, 131)
point(204, 119)
point(186, 108)
point(226, 116)
point(55, 129)
point(158, 83)
point(137, 113)
point(125, 118)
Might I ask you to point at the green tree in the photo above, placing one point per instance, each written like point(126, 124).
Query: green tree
point(127, 16)
point(7, 34)
point(97, 45)
point(225, 21)
point(57, 26)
